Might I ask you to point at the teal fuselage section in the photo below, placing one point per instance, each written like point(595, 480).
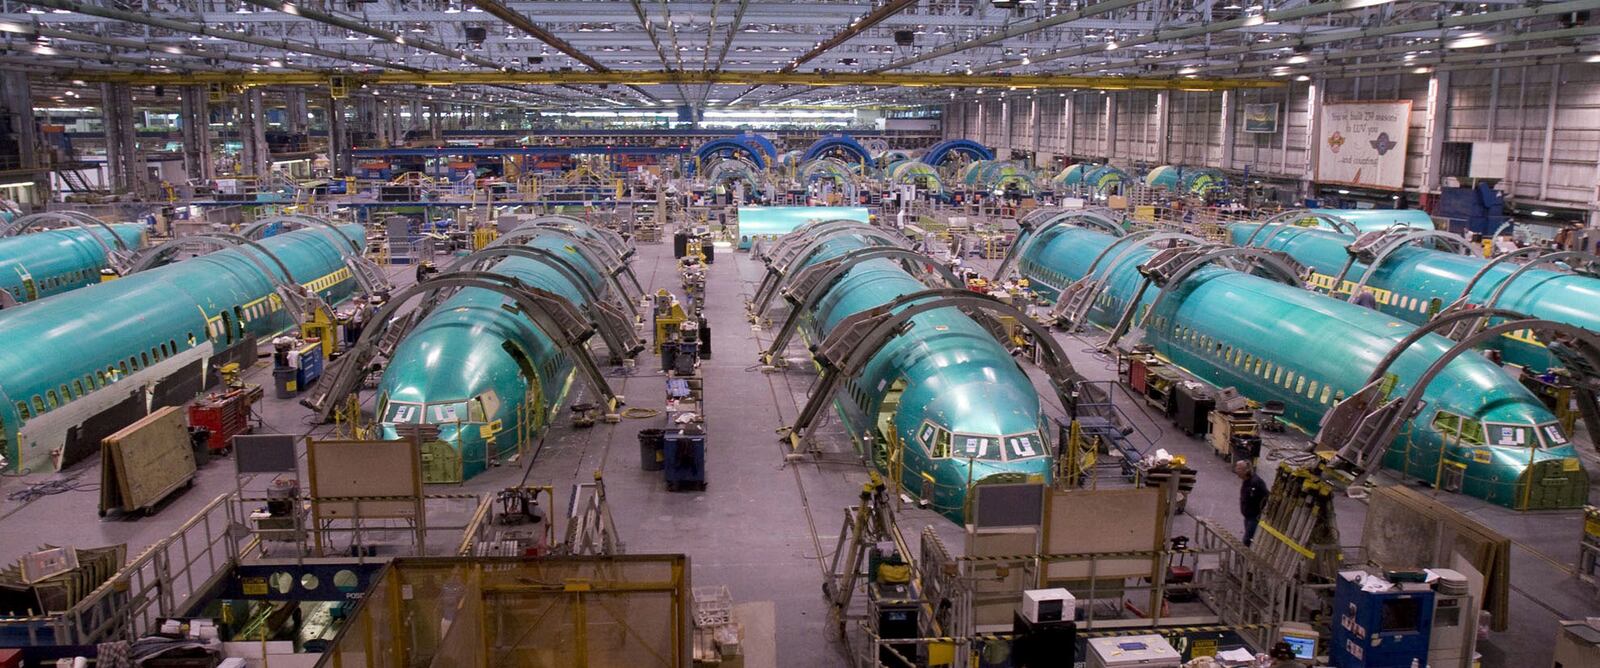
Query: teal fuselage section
point(1414, 283)
point(482, 373)
point(1277, 342)
point(944, 390)
point(49, 262)
point(70, 359)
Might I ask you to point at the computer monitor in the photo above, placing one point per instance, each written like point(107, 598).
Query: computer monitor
point(1301, 639)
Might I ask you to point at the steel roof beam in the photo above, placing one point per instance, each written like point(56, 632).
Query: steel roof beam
point(856, 27)
point(186, 27)
point(482, 77)
point(1325, 37)
point(1014, 31)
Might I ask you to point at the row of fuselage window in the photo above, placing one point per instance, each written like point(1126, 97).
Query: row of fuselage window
point(81, 387)
point(1267, 371)
point(69, 278)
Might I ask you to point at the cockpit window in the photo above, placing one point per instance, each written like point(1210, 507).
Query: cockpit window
point(403, 413)
point(1023, 446)
point(1552, 435)
point(978, 447)
point(1511, 435)
point(1455, 427)
point(446, 412)
point(935, 440)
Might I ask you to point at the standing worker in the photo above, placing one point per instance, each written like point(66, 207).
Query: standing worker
point(1252, 495)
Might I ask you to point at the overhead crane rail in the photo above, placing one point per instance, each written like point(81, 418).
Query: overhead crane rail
point(1373, 248)
point(368, 276)
point(853, 343)
point(1579, 262)
point(1076, 300)
point(1040, 222)
point(812, 283)
point(615, 326)
point(596, 249)
point(566, 325)
point(300, 302)
point(116, 258)
point(798, 246)
point(1360, 428)
point(1169, 268)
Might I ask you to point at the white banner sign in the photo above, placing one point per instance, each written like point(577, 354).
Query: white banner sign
point(1364, 144)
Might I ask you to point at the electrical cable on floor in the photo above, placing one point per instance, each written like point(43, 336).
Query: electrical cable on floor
point(40, 490)
point(636, 413)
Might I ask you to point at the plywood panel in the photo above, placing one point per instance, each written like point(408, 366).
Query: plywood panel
point(1103, 520)
point(345, 469)
point(146, 460)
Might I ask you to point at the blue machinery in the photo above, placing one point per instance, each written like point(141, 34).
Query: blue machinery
point(931, 391)
point(1426, 408)
point(479, 369)
point(79, 366)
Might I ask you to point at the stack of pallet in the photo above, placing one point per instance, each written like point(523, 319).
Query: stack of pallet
point(717, 637)
point(1297, 534)
point(54, 579)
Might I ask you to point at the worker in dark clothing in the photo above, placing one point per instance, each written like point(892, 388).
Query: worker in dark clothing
point(1252, 496)
point(1367, 299)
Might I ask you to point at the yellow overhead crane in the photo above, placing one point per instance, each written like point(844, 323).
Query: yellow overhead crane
point(639, 78)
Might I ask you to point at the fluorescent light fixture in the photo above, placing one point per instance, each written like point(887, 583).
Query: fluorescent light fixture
point(1296, 60)
point(1303, 77)
point(1468, 43)
point(18, 184)
point(1539, 214)
point(1344, 192)
point(1111, 46)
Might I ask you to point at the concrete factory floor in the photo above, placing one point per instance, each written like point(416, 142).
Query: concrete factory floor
point(765, 527)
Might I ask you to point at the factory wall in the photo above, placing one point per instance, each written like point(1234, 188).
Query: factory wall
point(1075, 125)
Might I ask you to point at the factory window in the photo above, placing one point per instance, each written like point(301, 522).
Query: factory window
point(1260, 365)
point(124, 367)
point(38, 405)
point(144, 358)
point(173, 346)
point(51, 400)
point(1277, 377)
point(1300, 386)
point(91, 381)
point(1326, 393)
point(77, 388)
point(22, 410)
point(134, 363)
point(1455, 426)
point(1312, 391)
point(66, 394)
